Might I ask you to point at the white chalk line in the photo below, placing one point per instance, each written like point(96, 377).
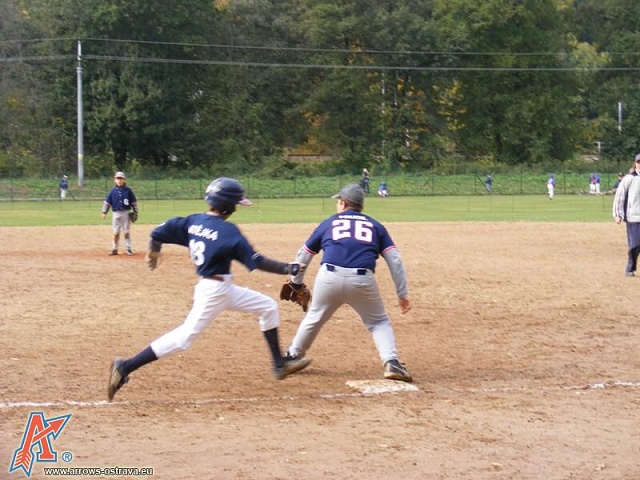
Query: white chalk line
point(211, 401)
point(588, 386)
point(194, 402)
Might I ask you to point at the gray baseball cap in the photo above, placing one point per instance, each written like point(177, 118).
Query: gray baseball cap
point(351, 193)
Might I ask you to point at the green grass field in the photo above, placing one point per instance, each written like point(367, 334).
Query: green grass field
point(485, 208)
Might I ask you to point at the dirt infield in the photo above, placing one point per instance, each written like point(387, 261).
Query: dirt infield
point(523, 340)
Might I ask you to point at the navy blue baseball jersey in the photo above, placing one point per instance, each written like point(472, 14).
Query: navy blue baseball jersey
point(212, 241)
point(350, 239)
point(120, 198)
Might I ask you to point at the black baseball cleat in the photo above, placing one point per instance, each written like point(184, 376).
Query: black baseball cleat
point(114, 252)
point(117, 377)
point(394, 370)
point(290, 365)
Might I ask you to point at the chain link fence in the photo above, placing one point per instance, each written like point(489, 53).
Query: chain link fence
point(522, 183)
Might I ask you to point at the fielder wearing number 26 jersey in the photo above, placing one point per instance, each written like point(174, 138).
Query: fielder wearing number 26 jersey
point(352, 243)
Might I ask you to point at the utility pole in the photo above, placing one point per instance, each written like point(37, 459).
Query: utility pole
point(620, 117)
point(80, 118)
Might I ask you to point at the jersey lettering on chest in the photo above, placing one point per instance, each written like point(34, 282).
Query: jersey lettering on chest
point(198, 250)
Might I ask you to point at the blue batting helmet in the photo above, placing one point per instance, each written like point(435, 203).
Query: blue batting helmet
point(224, 194)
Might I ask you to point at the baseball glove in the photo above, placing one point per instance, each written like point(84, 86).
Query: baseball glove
point(133, 216)
point(296, 293)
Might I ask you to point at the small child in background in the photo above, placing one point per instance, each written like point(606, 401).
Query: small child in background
point(383, 192)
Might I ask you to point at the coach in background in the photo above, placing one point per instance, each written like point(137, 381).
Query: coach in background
point(626, 207)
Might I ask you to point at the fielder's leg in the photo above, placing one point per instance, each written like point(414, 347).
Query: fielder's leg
point(365, 299)
point(327, 298)
point(116, 221)
point(114, 244)
point(127, 243)
point(126, 226)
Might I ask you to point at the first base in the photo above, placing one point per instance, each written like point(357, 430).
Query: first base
point(370, 387)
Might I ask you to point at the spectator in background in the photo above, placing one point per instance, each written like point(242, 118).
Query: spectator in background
point(488, 182)
point(383, 192)
point(592, 184)
point(64, 186)
point(617, 184)
point(364, 181)
point(551, 186)
point(597, 182)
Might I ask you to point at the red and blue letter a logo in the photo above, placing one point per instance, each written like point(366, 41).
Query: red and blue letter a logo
point(38, 433)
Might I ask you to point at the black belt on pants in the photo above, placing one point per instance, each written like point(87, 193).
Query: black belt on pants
point(359, 271)
point(219, 278)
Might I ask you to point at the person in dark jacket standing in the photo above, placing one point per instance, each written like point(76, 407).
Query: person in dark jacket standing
point(64, 186)
point(364, 181)
point(488, 182)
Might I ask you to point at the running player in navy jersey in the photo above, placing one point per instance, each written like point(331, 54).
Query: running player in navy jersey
point(213, 243)
point(352, 243)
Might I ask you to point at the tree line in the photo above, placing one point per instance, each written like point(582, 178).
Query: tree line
point(238, 86)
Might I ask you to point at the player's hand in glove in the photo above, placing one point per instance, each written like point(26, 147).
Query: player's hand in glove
point(296, 293)
point(295, 269)
point(153, 259)
point(133, 215)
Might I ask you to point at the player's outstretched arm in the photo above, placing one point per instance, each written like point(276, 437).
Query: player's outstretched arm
point(274, 266)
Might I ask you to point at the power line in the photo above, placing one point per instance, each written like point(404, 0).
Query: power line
point(353, 67)
point(323, 50)
point(339, 50)
point(34, 40)
point(37, 58)
point(310, 50)
point(176, 61)
point(259, 64)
